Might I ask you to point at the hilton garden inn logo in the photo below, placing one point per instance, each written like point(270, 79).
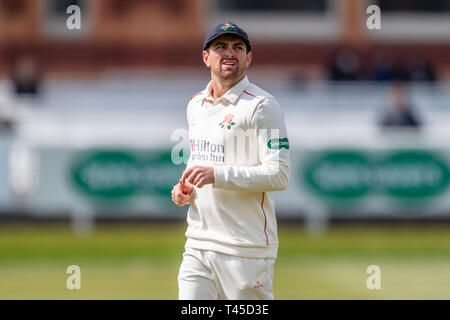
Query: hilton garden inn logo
point(205, 150)
point(238, 146)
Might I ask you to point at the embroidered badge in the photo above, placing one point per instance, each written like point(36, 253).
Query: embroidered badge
point(227, 26)
point(227, 121)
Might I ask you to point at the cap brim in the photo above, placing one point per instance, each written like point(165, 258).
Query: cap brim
point(227, 34)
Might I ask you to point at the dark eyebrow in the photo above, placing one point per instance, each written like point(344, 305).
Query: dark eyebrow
point(238, 43)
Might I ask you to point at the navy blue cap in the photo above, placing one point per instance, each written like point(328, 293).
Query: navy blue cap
point(226, 28)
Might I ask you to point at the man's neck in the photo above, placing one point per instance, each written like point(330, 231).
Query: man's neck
point(219, 87)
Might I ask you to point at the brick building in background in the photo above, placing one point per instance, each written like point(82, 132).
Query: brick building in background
point(292, 35)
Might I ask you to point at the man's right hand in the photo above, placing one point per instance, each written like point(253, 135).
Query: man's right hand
point(181, 193)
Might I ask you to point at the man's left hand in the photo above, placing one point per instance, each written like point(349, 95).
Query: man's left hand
point(198, 176)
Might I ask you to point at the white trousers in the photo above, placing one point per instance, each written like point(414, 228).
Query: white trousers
point(209, 275)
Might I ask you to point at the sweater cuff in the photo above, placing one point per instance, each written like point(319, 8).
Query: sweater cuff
point(192, 197)
point(219, 177)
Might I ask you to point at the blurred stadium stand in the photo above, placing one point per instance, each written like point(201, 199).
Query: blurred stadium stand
point(122, 82)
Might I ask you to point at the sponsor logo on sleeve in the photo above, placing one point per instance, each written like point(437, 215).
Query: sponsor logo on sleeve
point(278, 144)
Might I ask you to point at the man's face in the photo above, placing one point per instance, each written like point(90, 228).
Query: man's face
point(227, 57)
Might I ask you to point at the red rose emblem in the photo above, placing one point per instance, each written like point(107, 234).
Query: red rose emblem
point(228, 118)
point(227, 121)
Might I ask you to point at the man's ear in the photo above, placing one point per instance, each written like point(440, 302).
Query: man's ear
point(248, 59)
point(205, 55)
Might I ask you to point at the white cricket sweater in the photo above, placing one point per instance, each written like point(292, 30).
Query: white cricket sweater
point(236, 214)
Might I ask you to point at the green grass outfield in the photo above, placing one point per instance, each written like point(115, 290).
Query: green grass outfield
point(141, 262)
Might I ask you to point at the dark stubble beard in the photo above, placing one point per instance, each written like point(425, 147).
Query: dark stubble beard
point(235, 74)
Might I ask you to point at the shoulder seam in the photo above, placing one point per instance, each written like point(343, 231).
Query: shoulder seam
point(250, 94)
point(195, 95)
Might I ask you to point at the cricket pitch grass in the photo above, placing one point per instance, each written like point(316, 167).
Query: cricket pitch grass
point(142, 261)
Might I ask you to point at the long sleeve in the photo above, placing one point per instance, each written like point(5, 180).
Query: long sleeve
point(272, 174)
point(192, 197)
point(189, 164)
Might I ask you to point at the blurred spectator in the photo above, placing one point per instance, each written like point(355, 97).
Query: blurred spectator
point(382, 69)
point(26, 76)
point(399, 113)
point(400, 71)
point(420, 70)
point(6, 111)
point(345, 65)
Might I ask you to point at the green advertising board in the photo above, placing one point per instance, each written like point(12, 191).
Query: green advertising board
point(347, 175)
point(339, 181)
point(121, 175)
